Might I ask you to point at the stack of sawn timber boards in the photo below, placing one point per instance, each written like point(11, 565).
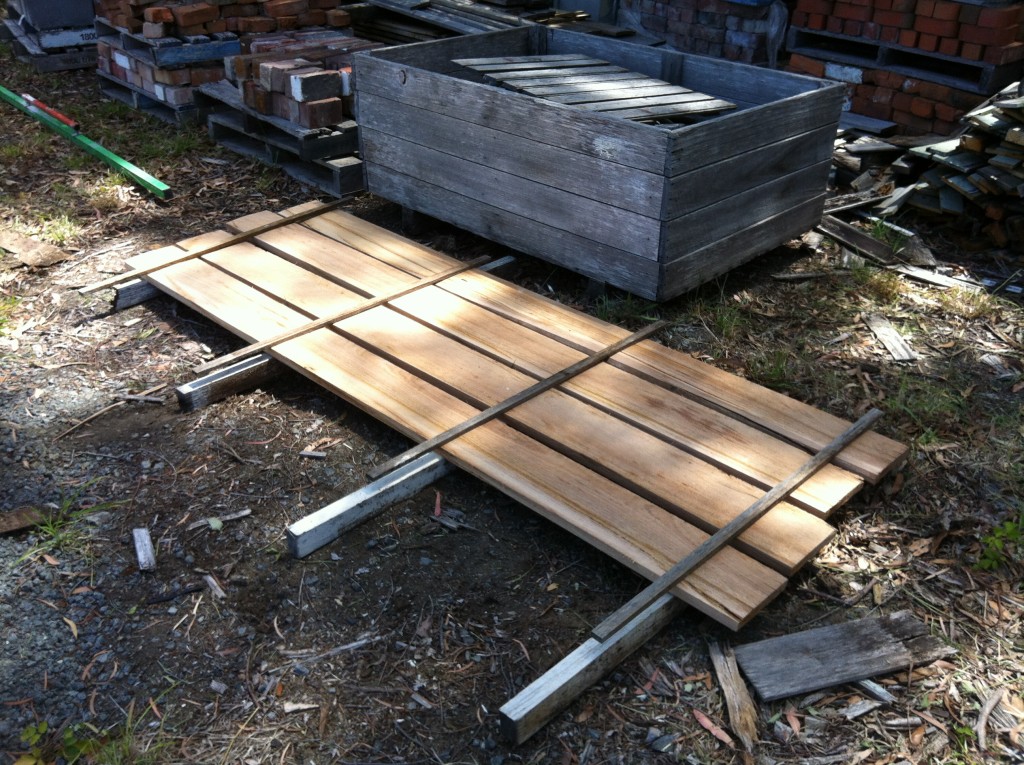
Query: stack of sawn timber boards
point(641, 456)
point(595, 85)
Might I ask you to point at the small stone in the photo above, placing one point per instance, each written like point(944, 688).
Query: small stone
point(664, 743)
point(218, 687)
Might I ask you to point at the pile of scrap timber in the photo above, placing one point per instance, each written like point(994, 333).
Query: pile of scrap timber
point(976, 176)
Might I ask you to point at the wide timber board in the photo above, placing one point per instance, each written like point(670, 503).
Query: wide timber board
point(642, 456)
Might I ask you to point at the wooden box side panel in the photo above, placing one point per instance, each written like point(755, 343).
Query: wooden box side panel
point(572, 130)
point(715, 182)
point(700, 266)
point(745, 131)
point(745, 83)
point(438, 55)
point(625, 188)
point(716, 222)
point(654, 62)
point(522, 197)
point(604, 263)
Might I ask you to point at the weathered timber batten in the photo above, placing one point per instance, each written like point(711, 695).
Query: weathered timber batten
point(655, 209)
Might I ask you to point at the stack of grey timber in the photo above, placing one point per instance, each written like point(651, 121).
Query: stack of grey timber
point(653, 209)
point(465, 18)
point(595, 85)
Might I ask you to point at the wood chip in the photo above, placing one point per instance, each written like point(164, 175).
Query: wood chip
point(144, 551)
point(219, 520)
point(215, 587)
point(30, 252)
point(893, 341)
point(861, 708)
point(291, 707)
point(19, 519)
point(742, 711)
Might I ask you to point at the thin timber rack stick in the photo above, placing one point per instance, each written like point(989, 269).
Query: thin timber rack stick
point(513, 401)
point(732, 530)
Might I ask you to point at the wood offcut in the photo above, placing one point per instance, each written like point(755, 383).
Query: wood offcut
point(827, 656)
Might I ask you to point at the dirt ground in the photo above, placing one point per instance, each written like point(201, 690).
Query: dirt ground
point(399, 642)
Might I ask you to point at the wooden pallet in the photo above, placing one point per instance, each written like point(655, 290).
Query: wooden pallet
point(642, 455)
point(138, 99)
point(28, 49)
point(223, 99)
point(960, 73)
point(337, 176)
point(595, 85)
point(323, 158)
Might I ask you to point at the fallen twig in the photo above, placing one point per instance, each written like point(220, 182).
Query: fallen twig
point(980, 727)
point(104, 410)
point(188, 590)
point(223, 519)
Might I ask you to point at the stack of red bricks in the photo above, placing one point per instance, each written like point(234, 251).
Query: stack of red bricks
point(307, 85)
point(170, 86)
point(190, 50)
point(734, 31)
point(918, 106)
point(171, 18)
point(960, 30)
point(948, 36)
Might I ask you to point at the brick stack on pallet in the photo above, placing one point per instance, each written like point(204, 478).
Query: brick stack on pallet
point(286, 103)
point(176, 18)
point(921, 64)
point(51, 36)
point(153, 55)
point(736, 31)
point(307, 85)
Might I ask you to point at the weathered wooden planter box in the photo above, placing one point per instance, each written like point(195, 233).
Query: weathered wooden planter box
point(653, 209)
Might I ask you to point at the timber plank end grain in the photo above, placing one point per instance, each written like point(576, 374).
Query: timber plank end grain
point(643, 206)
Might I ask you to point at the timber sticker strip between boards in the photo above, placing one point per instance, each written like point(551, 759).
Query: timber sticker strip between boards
point(621, 470)
point(518, 399)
